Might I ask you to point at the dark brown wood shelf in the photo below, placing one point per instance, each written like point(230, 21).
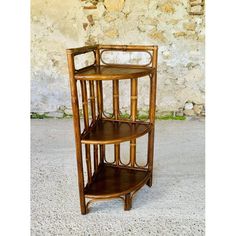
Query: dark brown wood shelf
point(111, 132)
point(111, 181)
point(105, 179)
point(111, 72)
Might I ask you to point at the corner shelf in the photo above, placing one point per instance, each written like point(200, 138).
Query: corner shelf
point(108, 180)
point(111, 181)
point(110, 132)
point(109, 72)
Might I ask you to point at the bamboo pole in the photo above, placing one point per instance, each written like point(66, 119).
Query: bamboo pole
point(134, 93)
point(116, 110)
point(152, 111)
point(86, 125)
point(76, 121)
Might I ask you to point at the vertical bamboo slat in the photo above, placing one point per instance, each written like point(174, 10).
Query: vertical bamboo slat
point(88, 161)
point(95, 147)
point(86, 125)
point(95, 156)
point(97, 56)
point(99, 98)
point(99, 87)
point(92, 99)
point(134, 93)
point(100, 111)
point(102, 152)
point(93, 112)
point(115, 85)
point(116, 109)
point(85, 103)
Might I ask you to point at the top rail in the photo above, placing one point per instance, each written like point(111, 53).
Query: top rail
point(127, 47)
point(81, 50)
point(85, 49)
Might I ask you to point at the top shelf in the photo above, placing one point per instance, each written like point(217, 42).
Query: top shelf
point(110, 72)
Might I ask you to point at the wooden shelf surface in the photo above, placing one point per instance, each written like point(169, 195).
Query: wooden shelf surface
point(111, 72)
point(112, 181)
point(110, 132)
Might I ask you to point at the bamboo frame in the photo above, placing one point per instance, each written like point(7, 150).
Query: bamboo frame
point(94, 100)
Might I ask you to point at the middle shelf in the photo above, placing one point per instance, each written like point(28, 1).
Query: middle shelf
point(111, 131)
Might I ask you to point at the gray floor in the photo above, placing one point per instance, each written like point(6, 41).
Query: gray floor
point(173, 206)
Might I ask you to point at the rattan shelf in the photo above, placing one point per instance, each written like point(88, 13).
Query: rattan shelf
point(108, 180)
point(111, 72)
point(112, 181)
point(111, 132)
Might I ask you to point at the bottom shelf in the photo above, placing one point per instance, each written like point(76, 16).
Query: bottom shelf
point(112, 181)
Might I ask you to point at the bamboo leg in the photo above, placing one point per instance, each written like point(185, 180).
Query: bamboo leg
point(150, 154)
point(152, 111)
point(128, 202)
point(76, 121)
point(151, 132)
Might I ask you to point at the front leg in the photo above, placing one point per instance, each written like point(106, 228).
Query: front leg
point(128, 202)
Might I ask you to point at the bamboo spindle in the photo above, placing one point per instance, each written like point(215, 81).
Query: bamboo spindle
point(99, 98)
point(92, 99)
point(102, 152)
point(93, 111)
point(100, 111)
point(86, 125)
point(134, 93)
point(95, 156)
point(116, 110)
point(99, 86)
point(97, 56)
point(95, 147)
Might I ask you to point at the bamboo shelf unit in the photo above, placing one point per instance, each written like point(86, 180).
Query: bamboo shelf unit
point(109, 180)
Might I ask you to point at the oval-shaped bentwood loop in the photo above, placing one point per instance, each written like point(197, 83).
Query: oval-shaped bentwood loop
point(126, 55)
point(111, 132)
point(112, 72)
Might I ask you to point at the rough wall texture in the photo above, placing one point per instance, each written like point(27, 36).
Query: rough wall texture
point(57, 25)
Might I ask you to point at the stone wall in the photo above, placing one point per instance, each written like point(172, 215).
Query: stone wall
point(57, 25)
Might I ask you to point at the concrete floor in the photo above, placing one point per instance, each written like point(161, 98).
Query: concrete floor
point(175, 205)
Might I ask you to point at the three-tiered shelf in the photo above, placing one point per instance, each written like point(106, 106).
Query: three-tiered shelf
point(108, 180)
